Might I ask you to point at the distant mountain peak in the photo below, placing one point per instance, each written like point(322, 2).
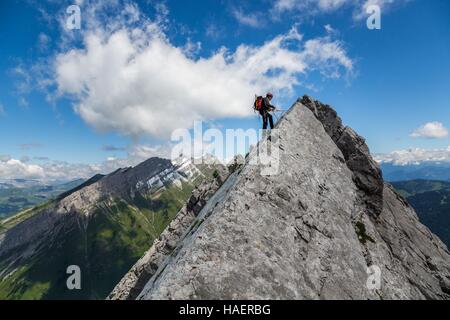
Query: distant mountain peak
point(102, 225)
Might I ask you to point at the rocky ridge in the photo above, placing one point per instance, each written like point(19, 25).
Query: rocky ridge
point(319, 229)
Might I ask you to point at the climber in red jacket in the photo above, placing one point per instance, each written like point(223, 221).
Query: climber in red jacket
point(267, 107)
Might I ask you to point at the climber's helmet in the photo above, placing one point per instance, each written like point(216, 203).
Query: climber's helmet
point(269, 95)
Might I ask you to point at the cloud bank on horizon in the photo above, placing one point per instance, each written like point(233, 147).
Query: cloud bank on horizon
point(414, 156)
point(53, 170)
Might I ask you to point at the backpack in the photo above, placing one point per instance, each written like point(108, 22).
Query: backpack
point(259, 103)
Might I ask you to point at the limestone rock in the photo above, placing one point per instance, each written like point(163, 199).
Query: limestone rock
point(325, 226)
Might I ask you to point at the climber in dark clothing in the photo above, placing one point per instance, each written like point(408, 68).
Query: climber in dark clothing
point(267, 107)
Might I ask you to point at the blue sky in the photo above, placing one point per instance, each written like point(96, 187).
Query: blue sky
point(73, 102)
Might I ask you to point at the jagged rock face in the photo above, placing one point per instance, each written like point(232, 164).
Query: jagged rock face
point(366, 172)
point(309, 232)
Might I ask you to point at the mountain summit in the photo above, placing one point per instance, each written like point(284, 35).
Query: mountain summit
point(325, 227)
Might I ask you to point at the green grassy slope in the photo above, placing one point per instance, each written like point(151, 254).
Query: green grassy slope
point(104, 246)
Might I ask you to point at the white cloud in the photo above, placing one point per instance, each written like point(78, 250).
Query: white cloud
point(329, 28)
point(361, 10)
point(251, 19)
point(314, 7)
point(285, 5)
point(329, 5)
point(13, 168)
point(131, 79)
point(432, 130)
point(310, 7)
point(414, 156)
